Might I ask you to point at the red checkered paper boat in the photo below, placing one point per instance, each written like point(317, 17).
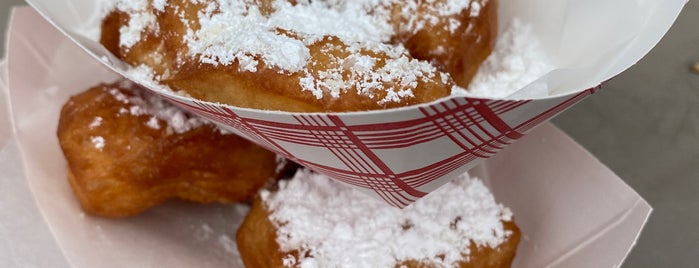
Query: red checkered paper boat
point(400, 155)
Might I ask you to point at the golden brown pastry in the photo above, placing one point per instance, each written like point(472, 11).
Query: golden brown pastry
point(306, 56)
point(456, 43)
point(128, 150)
point(311, 220)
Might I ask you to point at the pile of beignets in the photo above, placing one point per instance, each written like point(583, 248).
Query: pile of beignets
point(303, 55)
point(127, 150)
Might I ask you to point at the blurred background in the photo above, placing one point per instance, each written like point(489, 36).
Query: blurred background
point(643, 124)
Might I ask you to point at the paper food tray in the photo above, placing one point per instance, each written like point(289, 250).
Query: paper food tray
point(573, 211)
point(589, 42)
point(5, 125)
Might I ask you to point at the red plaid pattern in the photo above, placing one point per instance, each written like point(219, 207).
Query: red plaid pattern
point(397, 155)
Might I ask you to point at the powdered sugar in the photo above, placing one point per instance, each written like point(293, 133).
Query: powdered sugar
point(145, 76)
point(516, 61)
point(98, 142)
point(153, 123)
point(475, 9)
point(335, 224)
point(175, 119)
point(432, 13)
point(349, 21)
point(139, 19)
point(362, 72)
point(96, 122)
point(159, 5)
point(236, 32)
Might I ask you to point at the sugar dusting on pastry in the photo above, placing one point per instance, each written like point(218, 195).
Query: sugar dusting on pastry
point(139, 20)
point(252, 37)
point(516, 60)
point(98, 142)
point(254, 40)
point(175, 119)
point(96, 122)
point(336, 224)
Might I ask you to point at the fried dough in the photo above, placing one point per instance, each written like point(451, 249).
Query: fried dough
point(260, 234)
point(431, 50)
point(127, 151)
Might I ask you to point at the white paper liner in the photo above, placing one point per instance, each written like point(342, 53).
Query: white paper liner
point(5, 125)
point(580, 201)
point(572, 210)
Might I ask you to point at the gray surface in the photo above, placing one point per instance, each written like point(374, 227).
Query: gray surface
point(644, 125)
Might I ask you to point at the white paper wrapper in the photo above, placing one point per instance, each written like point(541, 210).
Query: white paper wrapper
point(573, 211)
point(387, 153)
point(5, 125)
